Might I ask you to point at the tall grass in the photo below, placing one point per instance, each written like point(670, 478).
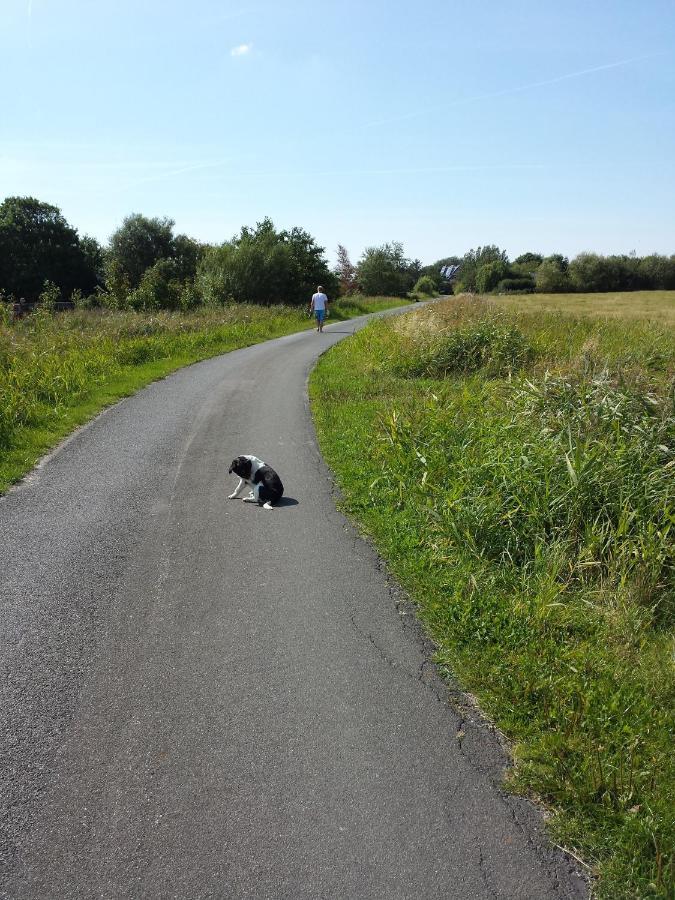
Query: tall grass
point(56, 371)
point(520, 480)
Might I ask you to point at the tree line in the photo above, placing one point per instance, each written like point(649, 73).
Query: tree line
point(488, 270)
point(145, 265)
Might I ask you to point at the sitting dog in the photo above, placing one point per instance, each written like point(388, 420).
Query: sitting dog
point(265, 484)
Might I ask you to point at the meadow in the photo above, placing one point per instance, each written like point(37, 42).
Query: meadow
point(516, 469)
point(657, 305)
point(59, 370)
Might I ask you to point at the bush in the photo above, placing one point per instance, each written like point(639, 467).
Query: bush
point(426, 286)
point(515, 286)
point(160, 288)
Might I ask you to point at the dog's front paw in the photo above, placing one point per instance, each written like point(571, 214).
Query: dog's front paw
point(250, 499)
point(232, 496)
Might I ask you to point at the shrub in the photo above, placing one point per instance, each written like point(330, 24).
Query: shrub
point(522, 285)
point(426, 286)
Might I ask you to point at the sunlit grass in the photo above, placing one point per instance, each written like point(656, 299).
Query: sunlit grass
point(57, 371)
point(656, 305)
point(518, 473)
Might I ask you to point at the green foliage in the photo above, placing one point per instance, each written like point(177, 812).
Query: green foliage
point(593, 273)
point(425, 286)
point(385, 270)
point(530, 261)
point(490, 344)
point(263, 265)
point(161, 287)
point(137, 245)
point(657, 272)
point(58, 371)
point(49, 297)
point(37, 244)
point(488, 275)
point(522, 285)
point(552, 276)
point(474, 260)
point(531, 518)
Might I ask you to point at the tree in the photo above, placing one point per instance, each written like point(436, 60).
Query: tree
point(531, 260)
point(36, 245)
point(591, 273)
point(262, 265)
point(472, 262)
point(551, 276)
point(385, 270)
point(95, 262)
point(136, 246)
point(345, 271)
point(490, 274)
point(657, 272)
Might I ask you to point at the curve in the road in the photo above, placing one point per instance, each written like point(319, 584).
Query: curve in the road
point(202, 698)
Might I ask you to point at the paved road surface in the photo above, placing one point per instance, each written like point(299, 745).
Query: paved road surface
point(202, 698)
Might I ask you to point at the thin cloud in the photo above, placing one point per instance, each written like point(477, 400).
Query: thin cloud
point(513, 90)
point(241, 50)
point(161, 176)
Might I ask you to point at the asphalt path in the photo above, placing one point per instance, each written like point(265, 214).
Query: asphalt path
point(203, 698)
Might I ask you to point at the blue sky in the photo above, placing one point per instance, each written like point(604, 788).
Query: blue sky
point(533, 125)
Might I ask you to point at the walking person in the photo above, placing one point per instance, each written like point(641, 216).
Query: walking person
point(319, 306)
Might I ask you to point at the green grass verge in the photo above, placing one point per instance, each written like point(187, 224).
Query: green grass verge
point(58, 371)
point(516, 472)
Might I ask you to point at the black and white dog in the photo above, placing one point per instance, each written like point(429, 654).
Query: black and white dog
point(265, 484)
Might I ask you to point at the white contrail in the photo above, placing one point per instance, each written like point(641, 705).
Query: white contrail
point(513, 90)
point(160, 176)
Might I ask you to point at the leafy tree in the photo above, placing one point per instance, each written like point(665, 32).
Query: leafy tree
point(186, 252)
point(136, 246)
point(552, 275)
point(532, 260)
point(36, 245)
point(490, 274)
point(262, 265)
point(385, 270)
point(590, 272)
point(309, 266)
point(657, 272)
point(95, 261)
point(474, 260)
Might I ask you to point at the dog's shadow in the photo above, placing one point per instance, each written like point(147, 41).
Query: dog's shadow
point(286, 501)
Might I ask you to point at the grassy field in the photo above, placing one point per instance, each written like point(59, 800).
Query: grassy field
point(57, 371)
point(517, 471)
point(656, 305)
